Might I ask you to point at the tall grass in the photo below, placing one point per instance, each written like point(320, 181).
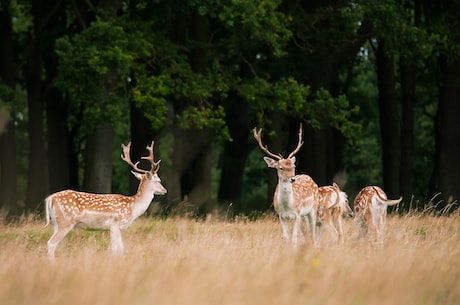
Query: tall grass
point(181, 261)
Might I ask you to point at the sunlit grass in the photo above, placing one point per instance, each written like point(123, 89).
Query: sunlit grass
point(182, 261)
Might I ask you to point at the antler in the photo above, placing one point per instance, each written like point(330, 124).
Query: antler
point(257, 136)
point(155, 165)
point(126, 157)
point(299, 144)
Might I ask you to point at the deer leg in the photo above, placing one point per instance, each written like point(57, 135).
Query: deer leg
point(116, 242)
point(362, 227)
point(296, 229)
point(311, 222)
point(320, 232)
point(285, 227)
point(56, 238)
point(339, 227)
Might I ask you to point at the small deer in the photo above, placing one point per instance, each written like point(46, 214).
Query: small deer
point(68, 209)
point(296, 196)
point(371, 211)
point(333, 205)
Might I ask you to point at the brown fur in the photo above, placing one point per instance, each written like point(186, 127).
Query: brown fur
point(371, 210)
point(333, 204)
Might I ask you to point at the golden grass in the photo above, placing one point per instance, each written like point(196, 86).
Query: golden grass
point(181, 261)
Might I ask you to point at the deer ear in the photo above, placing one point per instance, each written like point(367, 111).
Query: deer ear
point(293, 159)
point(137, 175)
point(335, 185)
point(270, 162)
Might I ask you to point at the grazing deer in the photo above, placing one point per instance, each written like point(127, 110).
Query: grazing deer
point(296, 196)
point(333, 204)
point(68, 209)
point(371, 211)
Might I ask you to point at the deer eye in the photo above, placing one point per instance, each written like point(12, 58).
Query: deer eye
point(281, 168)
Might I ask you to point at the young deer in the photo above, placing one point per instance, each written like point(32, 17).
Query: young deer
point(371, 211)
point(68, 209)
point(296, 196)
point(333, 204)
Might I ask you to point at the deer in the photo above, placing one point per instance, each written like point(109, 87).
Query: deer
point(333, 205)
point(296, 196)
point(69, 209)
point(371, 210)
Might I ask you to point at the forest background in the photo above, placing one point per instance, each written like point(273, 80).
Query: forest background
point(375, 84)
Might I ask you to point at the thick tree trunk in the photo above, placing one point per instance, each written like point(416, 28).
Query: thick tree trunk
point(448, 141)
point(8, 169)
point(389, 121)
point(59, 149)
point(98, 161)
point(37, 172)
point(235, 154)
point(142, 135)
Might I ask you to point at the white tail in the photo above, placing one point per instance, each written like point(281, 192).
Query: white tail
point(68, 209)
point(333, 204)
point(371, 211)
point(296, 196)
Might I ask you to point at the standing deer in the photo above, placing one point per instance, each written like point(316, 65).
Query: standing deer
point(333, 204)
point(296, 196)
point(371, 211)
point(68, 209)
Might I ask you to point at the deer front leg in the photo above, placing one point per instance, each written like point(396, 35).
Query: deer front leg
point(285, 227)
point(116, 242)
point(296, 229)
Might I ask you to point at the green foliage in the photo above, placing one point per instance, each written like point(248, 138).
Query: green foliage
point(93, 70)
point(250, 23)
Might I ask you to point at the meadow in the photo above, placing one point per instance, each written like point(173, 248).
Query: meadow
point(186, 261)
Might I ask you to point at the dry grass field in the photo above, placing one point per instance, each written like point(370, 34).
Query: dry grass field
point(181, 261)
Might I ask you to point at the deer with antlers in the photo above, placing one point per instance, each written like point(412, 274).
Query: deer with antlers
point(69, 209)
point(296, 196)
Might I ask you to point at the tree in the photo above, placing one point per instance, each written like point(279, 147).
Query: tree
point(8, 77)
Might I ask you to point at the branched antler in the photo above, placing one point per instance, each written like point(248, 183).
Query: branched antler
point(258, 137)
point(126, 157)
point(155, 165)
point(299, 143)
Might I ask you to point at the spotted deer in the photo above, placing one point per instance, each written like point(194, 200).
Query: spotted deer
point(69, 209)
point(296, 196)
point(371, 211)
point(333, 205)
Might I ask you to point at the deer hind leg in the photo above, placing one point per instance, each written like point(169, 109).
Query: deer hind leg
point(361, 226)
point(339, 228)
point(59, 233)
point(310, 219)
point(116, 242)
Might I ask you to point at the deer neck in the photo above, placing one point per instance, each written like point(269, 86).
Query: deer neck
point(285, 193)
point(142, 199)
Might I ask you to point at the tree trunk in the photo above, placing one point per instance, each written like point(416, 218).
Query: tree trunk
point(37, 172)
point(142, 135)
point(408, 82)
point(235, 154)
point(58, 142)
point(98, 161)
point(389, 120)
point(448, 142)
point(8, 168)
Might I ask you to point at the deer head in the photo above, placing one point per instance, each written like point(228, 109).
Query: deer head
point(285, 167)
point(145, 176)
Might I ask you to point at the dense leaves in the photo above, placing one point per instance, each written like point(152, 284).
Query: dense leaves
point(190, 72)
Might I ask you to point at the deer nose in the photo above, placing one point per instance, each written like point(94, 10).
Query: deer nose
point(292, 180)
